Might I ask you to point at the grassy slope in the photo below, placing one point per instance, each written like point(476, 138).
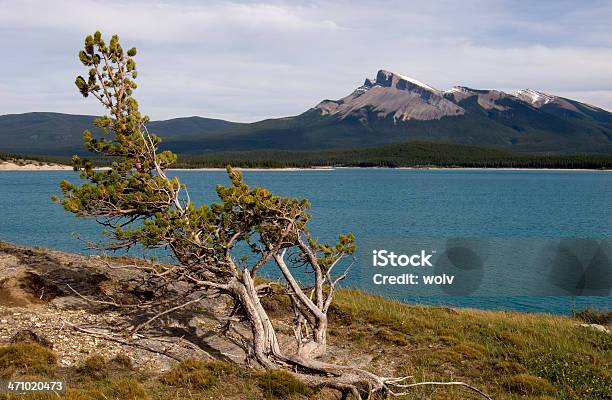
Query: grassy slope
point(510, 355)
point(506, 352)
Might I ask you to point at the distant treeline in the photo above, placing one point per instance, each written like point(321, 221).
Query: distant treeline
point(412, 154)
point(20, 158)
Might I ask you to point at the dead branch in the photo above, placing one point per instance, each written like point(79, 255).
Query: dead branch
point(124, 342)
point(165, 312)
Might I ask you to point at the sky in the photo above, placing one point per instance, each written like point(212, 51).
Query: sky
point(247, 61)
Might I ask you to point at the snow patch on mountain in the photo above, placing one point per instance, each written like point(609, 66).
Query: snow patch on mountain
point(458, 89)
point(538, 99)
point(418, 83)
point(535, 98)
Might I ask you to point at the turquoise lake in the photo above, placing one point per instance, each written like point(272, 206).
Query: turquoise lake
point(372, 203)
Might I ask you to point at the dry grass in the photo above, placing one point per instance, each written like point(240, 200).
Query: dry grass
point(510, 355)
point(26, 359)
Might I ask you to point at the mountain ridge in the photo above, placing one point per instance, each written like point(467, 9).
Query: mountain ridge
point(63, 133)
point(391, 108)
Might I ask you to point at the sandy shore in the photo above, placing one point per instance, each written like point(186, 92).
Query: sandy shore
point(11, 166)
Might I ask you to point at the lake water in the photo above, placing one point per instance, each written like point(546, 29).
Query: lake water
point(372, 203)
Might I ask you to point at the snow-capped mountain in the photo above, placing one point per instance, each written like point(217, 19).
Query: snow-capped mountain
point(404, 98)
point(394, 107)
point(394, 95)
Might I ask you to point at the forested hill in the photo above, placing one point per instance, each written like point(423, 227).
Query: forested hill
point(411, 154)
point(47, 133)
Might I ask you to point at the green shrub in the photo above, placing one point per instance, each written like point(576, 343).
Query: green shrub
point(278, 384)
point(220, 368)
point(592, 316)
point(125, 389)
point(117, 389)
point(122, 361)
point(570, 371)
point(197, 374)
point(526, 384)
point(357, 336)
point(470, 350)
point(391, 337)
point(94, 367)
point(26, 358)
point(508, 367)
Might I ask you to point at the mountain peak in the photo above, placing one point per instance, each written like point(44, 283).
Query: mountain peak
point(386, 78)
point(398, 96)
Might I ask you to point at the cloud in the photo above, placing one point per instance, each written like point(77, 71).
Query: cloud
point(158, 21)
point(252, 60)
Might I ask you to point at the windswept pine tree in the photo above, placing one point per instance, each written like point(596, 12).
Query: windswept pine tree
point(141, 206)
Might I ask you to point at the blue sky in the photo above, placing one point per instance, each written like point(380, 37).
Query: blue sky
point(246, 61)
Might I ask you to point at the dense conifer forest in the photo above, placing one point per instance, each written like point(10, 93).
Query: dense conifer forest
point(412, 154)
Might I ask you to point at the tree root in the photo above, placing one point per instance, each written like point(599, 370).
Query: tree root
point(359, 383)
point(466, 385)
point(364, 385)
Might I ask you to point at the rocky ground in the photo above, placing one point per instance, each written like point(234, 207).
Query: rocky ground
point(55, 298)
point(50, 296)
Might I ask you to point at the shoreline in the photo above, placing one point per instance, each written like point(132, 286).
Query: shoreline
point(330, 168)
point(10, 166)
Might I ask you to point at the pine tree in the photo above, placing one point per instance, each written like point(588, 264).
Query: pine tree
point(140, 205)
